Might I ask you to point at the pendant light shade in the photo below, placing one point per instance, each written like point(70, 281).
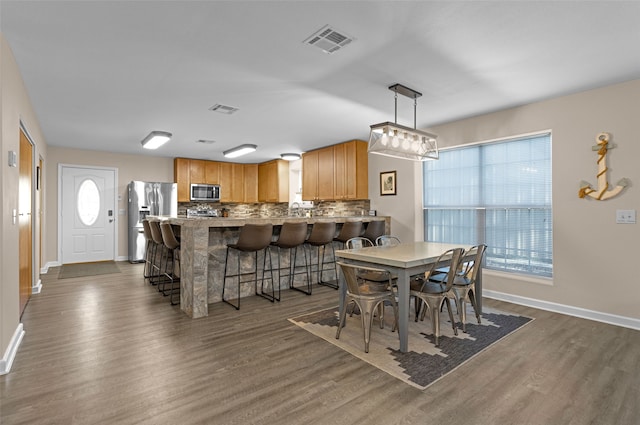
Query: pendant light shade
point(398, 141)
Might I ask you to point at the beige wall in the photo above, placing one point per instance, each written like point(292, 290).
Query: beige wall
point(593, 256)
point(15, 108)
point(130, 167)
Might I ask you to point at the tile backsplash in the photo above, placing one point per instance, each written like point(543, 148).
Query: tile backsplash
point(322, 208)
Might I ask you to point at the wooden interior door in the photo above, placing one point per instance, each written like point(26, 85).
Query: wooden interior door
point(25, 244)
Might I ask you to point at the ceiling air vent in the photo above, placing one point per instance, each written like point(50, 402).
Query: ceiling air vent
point(328, 39)
point(223, 109)
point(205, 142)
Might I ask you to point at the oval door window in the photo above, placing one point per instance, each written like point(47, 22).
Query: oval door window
point(88, 202)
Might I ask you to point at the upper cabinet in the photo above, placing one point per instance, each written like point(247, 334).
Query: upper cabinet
point(231, 182)
point(273, 181)
point(251, 182)
point(338, 172)
point(318, 175)
point(351, 164)
point(181, 172)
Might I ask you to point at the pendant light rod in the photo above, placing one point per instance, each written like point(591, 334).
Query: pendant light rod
point(405, 91)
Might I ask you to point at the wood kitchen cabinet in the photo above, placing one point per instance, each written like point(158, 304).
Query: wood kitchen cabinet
point(181, 177)
point(351, 167)
point(211, 172)
point(338, 172)
point(231, 182)
point(250, 182)
point(273, 181)
point(318, 175)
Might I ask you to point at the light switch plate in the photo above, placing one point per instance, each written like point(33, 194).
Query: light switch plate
point(626, 216)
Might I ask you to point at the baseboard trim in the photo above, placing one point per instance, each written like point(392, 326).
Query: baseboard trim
point(612, 319)
point(35, 289)
point(45, 269)
point(12, 349)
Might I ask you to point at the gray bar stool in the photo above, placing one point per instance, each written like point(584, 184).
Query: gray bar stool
point(149, 248)
point(292, 236)
point(173, 273)
point(322, 234)
point(155, 277)
point(374, 230)
point(253, 238)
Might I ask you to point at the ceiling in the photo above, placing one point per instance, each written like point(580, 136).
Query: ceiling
point(102, 74)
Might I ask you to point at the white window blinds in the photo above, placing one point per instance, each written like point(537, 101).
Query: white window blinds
point(498, 194)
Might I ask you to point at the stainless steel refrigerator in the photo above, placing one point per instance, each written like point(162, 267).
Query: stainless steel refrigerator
point(148, 198)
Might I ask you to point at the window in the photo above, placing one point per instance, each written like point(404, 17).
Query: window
point(495, 193)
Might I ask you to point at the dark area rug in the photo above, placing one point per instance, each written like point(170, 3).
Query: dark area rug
point(88, 269)
point(424, 363)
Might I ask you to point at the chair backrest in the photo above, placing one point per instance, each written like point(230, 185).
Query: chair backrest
point(156, 234)
point(355, 284)
point(254, 237)
point(292, 234)
point(350, 229)
point(147, 230)
point(357, 243)
point(374, 230)
point(168, 236)
point(471, 267)
point(387, 240)
point(450, 259)
point(322, 232)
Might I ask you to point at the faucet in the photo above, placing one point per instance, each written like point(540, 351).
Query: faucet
point(295, 209)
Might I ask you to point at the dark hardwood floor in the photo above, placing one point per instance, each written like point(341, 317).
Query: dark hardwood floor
point(109, 349)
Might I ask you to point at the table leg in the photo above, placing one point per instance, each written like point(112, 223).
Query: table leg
point(342, 290)
point(403, 309)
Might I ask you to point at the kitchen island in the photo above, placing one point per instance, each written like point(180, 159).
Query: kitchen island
point(203, 244)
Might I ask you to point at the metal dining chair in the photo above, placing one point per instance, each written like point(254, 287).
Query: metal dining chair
point(368, 298)
point(432, 295)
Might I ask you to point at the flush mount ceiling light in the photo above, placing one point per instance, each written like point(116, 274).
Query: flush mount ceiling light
point(290, 156)
point(155, 139)
point(395, 140)
point(239, 151)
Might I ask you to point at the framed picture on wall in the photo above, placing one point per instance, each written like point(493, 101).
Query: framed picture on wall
point(387, 183)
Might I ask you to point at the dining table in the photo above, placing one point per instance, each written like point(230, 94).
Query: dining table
point(404, 261)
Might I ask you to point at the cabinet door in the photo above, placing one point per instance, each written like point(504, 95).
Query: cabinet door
point(326, 172)
point(225, 182)
point(266, 181)
point(250, 182)
point(181, 177)
point(310, 176)
point(212, 172)
point(196, 171)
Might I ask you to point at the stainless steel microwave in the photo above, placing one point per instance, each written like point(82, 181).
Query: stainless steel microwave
point(205, 192)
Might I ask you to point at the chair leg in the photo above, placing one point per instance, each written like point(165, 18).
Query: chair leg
point(292, 268)
point(263, 294)
point(472, 298)
point(224, 281)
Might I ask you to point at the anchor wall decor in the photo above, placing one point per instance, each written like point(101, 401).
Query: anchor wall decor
point(602, 192)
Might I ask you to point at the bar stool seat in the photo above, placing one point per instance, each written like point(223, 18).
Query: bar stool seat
point(322, 234)
point(253, 238)
point(292, 236)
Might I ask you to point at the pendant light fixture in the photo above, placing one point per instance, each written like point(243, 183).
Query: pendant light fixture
point(398, 141)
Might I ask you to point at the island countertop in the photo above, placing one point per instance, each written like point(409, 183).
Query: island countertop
point(203, 242)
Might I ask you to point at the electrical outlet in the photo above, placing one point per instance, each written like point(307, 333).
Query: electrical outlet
point(626, 216)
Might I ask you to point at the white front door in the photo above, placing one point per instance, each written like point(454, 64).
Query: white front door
point(87, 207)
